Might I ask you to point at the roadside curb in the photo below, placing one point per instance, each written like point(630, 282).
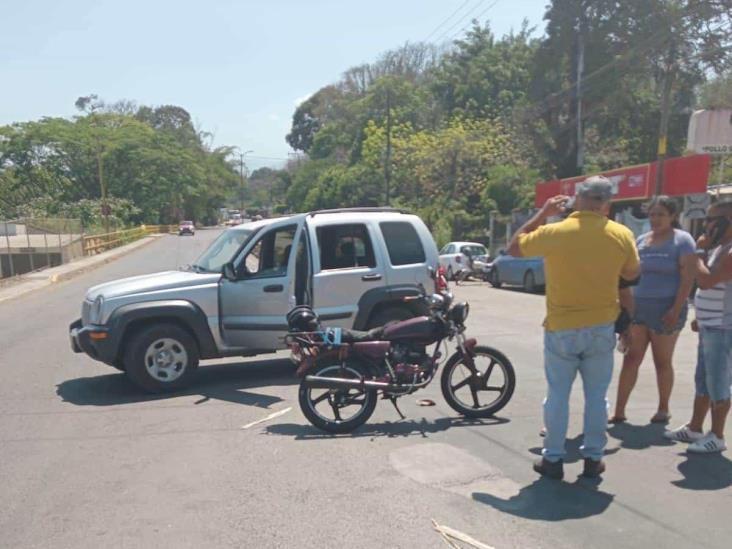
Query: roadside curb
point(47, 277)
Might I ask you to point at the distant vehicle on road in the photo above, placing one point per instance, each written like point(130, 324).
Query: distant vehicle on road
point(354, 267)
point(457, 257)
point(527, 272)
point(186, 227)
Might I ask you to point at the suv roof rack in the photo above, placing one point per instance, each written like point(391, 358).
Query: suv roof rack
point(365, 210)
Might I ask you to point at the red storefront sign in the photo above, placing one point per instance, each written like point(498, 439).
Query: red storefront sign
point(684, 175)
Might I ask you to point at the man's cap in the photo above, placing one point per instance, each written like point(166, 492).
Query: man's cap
point(598, 187)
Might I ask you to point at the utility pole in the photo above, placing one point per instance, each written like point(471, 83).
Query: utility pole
point(241, 177)
point(669, 76)
point(387, 158)
point(100, 171)
point(578, 92)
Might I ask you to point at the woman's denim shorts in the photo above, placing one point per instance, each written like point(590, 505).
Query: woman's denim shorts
point(714, 366)
point(650, 311)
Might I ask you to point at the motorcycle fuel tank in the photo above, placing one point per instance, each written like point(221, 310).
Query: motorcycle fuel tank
point(421, 329)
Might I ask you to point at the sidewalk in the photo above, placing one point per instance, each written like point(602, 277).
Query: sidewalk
point(46, 277)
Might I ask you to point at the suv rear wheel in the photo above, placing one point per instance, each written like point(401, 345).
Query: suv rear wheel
point(161, 358)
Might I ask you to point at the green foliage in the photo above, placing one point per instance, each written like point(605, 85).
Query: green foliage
point(458, 133)
point(154, 166)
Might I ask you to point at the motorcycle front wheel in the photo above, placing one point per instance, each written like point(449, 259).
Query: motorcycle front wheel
point(339, 410)
point(480, 392)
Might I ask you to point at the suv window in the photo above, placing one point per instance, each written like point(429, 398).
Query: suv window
point(270, 255)
point(402, 242)
point(345, 247)
point(221, 250)
point(451, 249)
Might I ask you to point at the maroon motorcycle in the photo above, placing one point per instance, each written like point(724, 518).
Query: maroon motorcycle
point(344, 371)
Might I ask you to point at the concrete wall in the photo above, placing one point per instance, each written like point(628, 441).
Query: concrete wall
point(24, 263)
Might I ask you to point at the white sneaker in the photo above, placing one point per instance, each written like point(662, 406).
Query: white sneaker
point(708, 444)
point(683, 434)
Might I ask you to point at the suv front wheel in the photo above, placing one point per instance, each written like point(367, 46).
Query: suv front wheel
point(161, 358)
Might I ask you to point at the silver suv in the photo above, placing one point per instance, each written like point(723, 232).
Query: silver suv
point(354, 266)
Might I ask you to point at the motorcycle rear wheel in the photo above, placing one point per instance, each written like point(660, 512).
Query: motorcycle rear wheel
point(464, 391)
point(324, 407)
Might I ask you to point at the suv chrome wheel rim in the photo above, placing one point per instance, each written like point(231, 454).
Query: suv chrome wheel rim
point(166, 360)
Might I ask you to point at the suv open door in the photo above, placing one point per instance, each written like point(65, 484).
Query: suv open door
point(259, 289)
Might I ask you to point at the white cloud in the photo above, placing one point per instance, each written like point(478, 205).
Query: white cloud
point(274, 117)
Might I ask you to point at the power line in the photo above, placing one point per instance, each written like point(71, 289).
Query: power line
point(445, 21)
point(469, 13)
point(481, 14)
point(648, 45)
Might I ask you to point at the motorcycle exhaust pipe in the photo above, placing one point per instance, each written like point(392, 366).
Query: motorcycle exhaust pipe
point(319, 382)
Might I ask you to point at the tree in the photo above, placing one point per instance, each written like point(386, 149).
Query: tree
point(155, 166)
point(717, 93)
point(483, 76)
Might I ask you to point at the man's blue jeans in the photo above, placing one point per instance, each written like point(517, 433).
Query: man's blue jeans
point(588, 351)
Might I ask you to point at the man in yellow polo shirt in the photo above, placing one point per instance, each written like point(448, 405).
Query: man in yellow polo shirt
point(584, 257)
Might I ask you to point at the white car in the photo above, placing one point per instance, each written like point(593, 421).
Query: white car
point(454, 257)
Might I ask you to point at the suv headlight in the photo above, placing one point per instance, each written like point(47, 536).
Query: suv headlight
point(95, 313)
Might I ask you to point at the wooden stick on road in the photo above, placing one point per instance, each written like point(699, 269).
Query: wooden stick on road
point(456, 534)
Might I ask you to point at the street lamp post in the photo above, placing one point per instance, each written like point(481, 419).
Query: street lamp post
point(241, 175)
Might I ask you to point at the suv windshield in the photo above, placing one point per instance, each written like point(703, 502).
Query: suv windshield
point(221, 251)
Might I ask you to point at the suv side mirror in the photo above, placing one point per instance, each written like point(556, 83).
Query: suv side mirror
point(501, 252)
point(228, 271)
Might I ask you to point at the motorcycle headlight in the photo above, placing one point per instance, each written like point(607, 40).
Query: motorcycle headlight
point(459, 313)
point(95, 314)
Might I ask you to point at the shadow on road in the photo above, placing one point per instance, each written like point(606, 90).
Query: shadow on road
point(705, 472)
point(403, 428)
point(228, 382)
point(550, 500)
point(573, 450)
point(639, 437)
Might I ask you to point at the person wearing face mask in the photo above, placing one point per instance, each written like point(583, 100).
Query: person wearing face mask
point(713, 304)
point(668, 266)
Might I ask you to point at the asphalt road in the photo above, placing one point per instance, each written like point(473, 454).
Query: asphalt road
point(86, 460)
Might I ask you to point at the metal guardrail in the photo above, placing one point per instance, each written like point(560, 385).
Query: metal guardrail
point(94, 244)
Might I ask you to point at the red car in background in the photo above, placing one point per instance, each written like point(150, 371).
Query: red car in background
point(186, 227)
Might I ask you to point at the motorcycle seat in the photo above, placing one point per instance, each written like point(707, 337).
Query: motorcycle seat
point(358, 336)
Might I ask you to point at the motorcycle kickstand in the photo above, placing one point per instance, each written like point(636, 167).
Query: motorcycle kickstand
point(393, 400)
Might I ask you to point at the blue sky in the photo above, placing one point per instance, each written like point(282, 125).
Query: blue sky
point(239, 67)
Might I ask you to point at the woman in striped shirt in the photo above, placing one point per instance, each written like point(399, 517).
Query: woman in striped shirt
point(713, 303)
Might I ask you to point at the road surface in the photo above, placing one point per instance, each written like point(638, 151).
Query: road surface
point(87, 460)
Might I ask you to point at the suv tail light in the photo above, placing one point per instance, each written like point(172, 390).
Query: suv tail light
point(440, 280)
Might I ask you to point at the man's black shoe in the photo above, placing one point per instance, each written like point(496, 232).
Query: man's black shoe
point(593, 469)
point(549, 469)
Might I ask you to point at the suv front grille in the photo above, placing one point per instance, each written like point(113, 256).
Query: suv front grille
point(85, 310)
